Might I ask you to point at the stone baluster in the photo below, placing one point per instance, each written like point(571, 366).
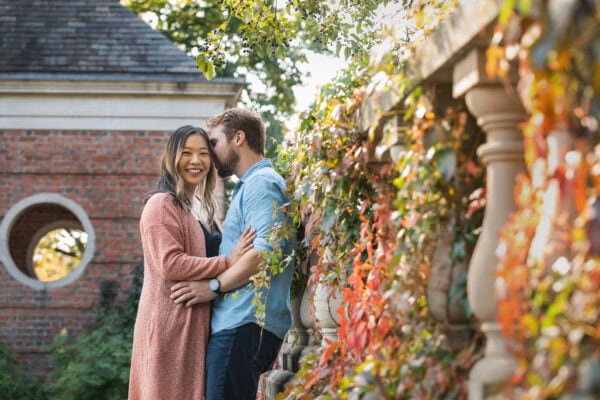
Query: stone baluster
point(499, 112)
point(327, 300)
point(294, 347)
point(302, 331)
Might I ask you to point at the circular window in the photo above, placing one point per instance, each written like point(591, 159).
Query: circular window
point(46, 241)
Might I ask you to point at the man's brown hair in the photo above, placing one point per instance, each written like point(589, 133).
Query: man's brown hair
point(242, 119)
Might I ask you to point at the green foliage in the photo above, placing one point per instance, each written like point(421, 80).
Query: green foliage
point(96, 365)
point(193, 25)
point(15, 383)
point(267, 28)
point(67, 241)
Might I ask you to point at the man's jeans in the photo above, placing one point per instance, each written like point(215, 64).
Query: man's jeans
point(235, 360)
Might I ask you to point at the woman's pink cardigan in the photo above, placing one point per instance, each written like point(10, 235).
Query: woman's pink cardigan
point(169, 340)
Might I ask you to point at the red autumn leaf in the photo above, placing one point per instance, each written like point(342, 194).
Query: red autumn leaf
point(331, 346)
point(472, 168)
point(313, 380)
point(477, 201)
point(360, 338)
point(383, 327)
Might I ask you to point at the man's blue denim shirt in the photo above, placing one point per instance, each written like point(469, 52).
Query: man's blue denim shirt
point(252, 204)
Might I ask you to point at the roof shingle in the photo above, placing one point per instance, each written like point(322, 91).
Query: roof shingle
point(84, 37)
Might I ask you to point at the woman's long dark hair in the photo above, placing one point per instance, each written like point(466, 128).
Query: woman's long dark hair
point(171, 182)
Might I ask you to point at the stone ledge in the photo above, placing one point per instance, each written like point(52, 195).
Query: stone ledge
point(470, 25)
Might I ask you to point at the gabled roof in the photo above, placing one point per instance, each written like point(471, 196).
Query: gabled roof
point(90, 37)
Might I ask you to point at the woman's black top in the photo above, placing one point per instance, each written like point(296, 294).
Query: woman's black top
point(212, 240)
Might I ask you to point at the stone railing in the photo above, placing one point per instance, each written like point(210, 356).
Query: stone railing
point(315, 319)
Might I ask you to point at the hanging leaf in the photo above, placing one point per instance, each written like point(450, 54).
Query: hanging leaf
point(328, 221)
point(206, 67)
point(446, 162)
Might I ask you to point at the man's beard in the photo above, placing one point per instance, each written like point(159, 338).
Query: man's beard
point(227, 167)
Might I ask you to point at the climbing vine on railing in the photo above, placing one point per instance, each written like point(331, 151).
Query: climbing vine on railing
point(373, 224)
point(549, 280)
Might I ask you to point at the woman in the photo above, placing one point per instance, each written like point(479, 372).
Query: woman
point(180, 240)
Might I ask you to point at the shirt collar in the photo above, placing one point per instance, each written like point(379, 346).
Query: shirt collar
point(264, 163)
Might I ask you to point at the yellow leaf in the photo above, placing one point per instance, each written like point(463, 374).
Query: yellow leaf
point(419, 18)
point(529, 322)
point(493, 56)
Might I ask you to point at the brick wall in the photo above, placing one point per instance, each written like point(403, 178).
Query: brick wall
point(107, 174)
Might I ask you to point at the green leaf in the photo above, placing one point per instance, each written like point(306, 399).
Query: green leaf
point(458, 294)
point(347, 52)
point(206, 67)
point(459, 249)
point(525, 7)
point(248, 16)
point(328, 221)
point(446, 161)
point(507, 7)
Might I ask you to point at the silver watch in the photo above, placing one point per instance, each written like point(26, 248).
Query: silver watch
point(215, 286)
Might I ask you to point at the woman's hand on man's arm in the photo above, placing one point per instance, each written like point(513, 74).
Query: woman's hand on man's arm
point(192, 292)
point(243, 245)
point(195, 292)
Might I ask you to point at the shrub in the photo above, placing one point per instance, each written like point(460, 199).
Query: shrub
point(96, 365)
point(15, 383)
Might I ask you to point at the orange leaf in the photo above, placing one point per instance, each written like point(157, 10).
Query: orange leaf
point(493, 56)
point(314, 379)
point(383, 327)
point(331, 347)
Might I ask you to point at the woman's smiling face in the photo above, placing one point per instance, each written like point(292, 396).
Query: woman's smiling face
point(194, 162)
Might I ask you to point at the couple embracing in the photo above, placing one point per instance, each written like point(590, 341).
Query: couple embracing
point(183, 348)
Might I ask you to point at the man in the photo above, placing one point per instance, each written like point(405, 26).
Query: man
point(239, 350)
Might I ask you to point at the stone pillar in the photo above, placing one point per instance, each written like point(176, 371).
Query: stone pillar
point(499, 112)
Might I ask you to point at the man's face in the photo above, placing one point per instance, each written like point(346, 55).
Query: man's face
point(226, 159)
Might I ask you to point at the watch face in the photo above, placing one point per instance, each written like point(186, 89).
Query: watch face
point(213, 284)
